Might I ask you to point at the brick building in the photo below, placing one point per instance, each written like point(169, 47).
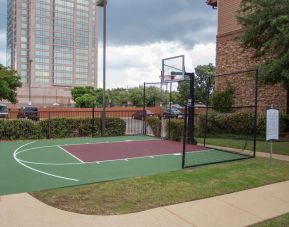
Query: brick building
point(231, 58)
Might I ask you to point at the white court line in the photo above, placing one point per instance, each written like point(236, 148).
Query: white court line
point(67, 152)
point(36, 170)
point(53, 164)
point(34, 148)
point(120, 141)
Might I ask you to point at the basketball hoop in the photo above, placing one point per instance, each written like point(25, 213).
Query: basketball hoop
point(165, 78)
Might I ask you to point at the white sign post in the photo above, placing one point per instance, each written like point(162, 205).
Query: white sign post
point(272, 128)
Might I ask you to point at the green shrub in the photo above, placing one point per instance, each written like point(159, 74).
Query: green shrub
point(241, 123)
point(86, 127)
point(64, 127)
point(285, 123)
point(223, 101)
point(59, 128)
point(201, 123)
point(115, 127)
point(155, 124)
point(261, 125)
point(176, 128)
point(19, 129)
point(43, 124)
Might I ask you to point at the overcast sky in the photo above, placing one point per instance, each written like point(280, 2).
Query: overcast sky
point(142, 32)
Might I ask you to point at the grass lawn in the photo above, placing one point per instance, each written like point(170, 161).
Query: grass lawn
point(281, 221)
point(142, 193)
point(278, 147)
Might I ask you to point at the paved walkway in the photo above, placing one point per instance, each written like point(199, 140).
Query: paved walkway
point(258, 153)
point(275, 156)
point(236, 209)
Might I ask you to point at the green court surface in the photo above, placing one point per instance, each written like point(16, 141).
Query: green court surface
point(211, 156)
point(27, 166)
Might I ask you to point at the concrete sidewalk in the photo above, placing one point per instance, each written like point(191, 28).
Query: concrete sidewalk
point(236, 209)
point(274, 156)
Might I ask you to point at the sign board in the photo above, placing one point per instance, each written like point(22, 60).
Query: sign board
point(272, 124)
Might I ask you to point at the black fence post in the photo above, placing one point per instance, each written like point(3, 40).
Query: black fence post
point(256, 111)
point(49, 126)
point(144, 109)
point(93, 121)
point(170, 104)
point(207, 109)
point(191, 110)
point(185, 136)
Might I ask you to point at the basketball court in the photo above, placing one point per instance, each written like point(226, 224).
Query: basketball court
point(27, 166)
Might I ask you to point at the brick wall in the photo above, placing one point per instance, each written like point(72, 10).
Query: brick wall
point(231, 58)
point(227, 10)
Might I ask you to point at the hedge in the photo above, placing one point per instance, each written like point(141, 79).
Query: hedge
point(155, 124)
point(59, 128)
point(241, 123)
point(237, 123)
point(19, 129)
point(285, 123)
point(176, 125)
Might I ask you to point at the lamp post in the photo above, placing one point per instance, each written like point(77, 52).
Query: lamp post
point(103, 3)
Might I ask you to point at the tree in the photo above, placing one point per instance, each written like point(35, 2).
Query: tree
point(9, 82)
point(204, 74)
point(175, 97)
point(80, 91)
point(204, 82)
point(118, 96)
point(266, 32)
point(85, 101)
point(184, 92)
point(154, 96)
point(136, 96)
point(223, 101)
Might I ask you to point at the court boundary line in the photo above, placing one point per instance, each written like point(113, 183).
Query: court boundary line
point(70, 154)
point(123, 141)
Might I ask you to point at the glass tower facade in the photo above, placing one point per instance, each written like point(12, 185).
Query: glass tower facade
point(54, 41)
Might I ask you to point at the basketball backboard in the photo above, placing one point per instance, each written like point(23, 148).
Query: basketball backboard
point(173, 68)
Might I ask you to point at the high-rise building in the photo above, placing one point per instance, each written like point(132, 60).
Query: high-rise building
point(53, 46)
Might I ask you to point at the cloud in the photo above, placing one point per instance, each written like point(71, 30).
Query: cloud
point(129, 66)
point(131, 22)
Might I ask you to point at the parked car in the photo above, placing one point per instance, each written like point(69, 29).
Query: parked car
point(28, 112)
point(176, 106)
point(3, 111)
point(141, 114)
point(172, 113)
